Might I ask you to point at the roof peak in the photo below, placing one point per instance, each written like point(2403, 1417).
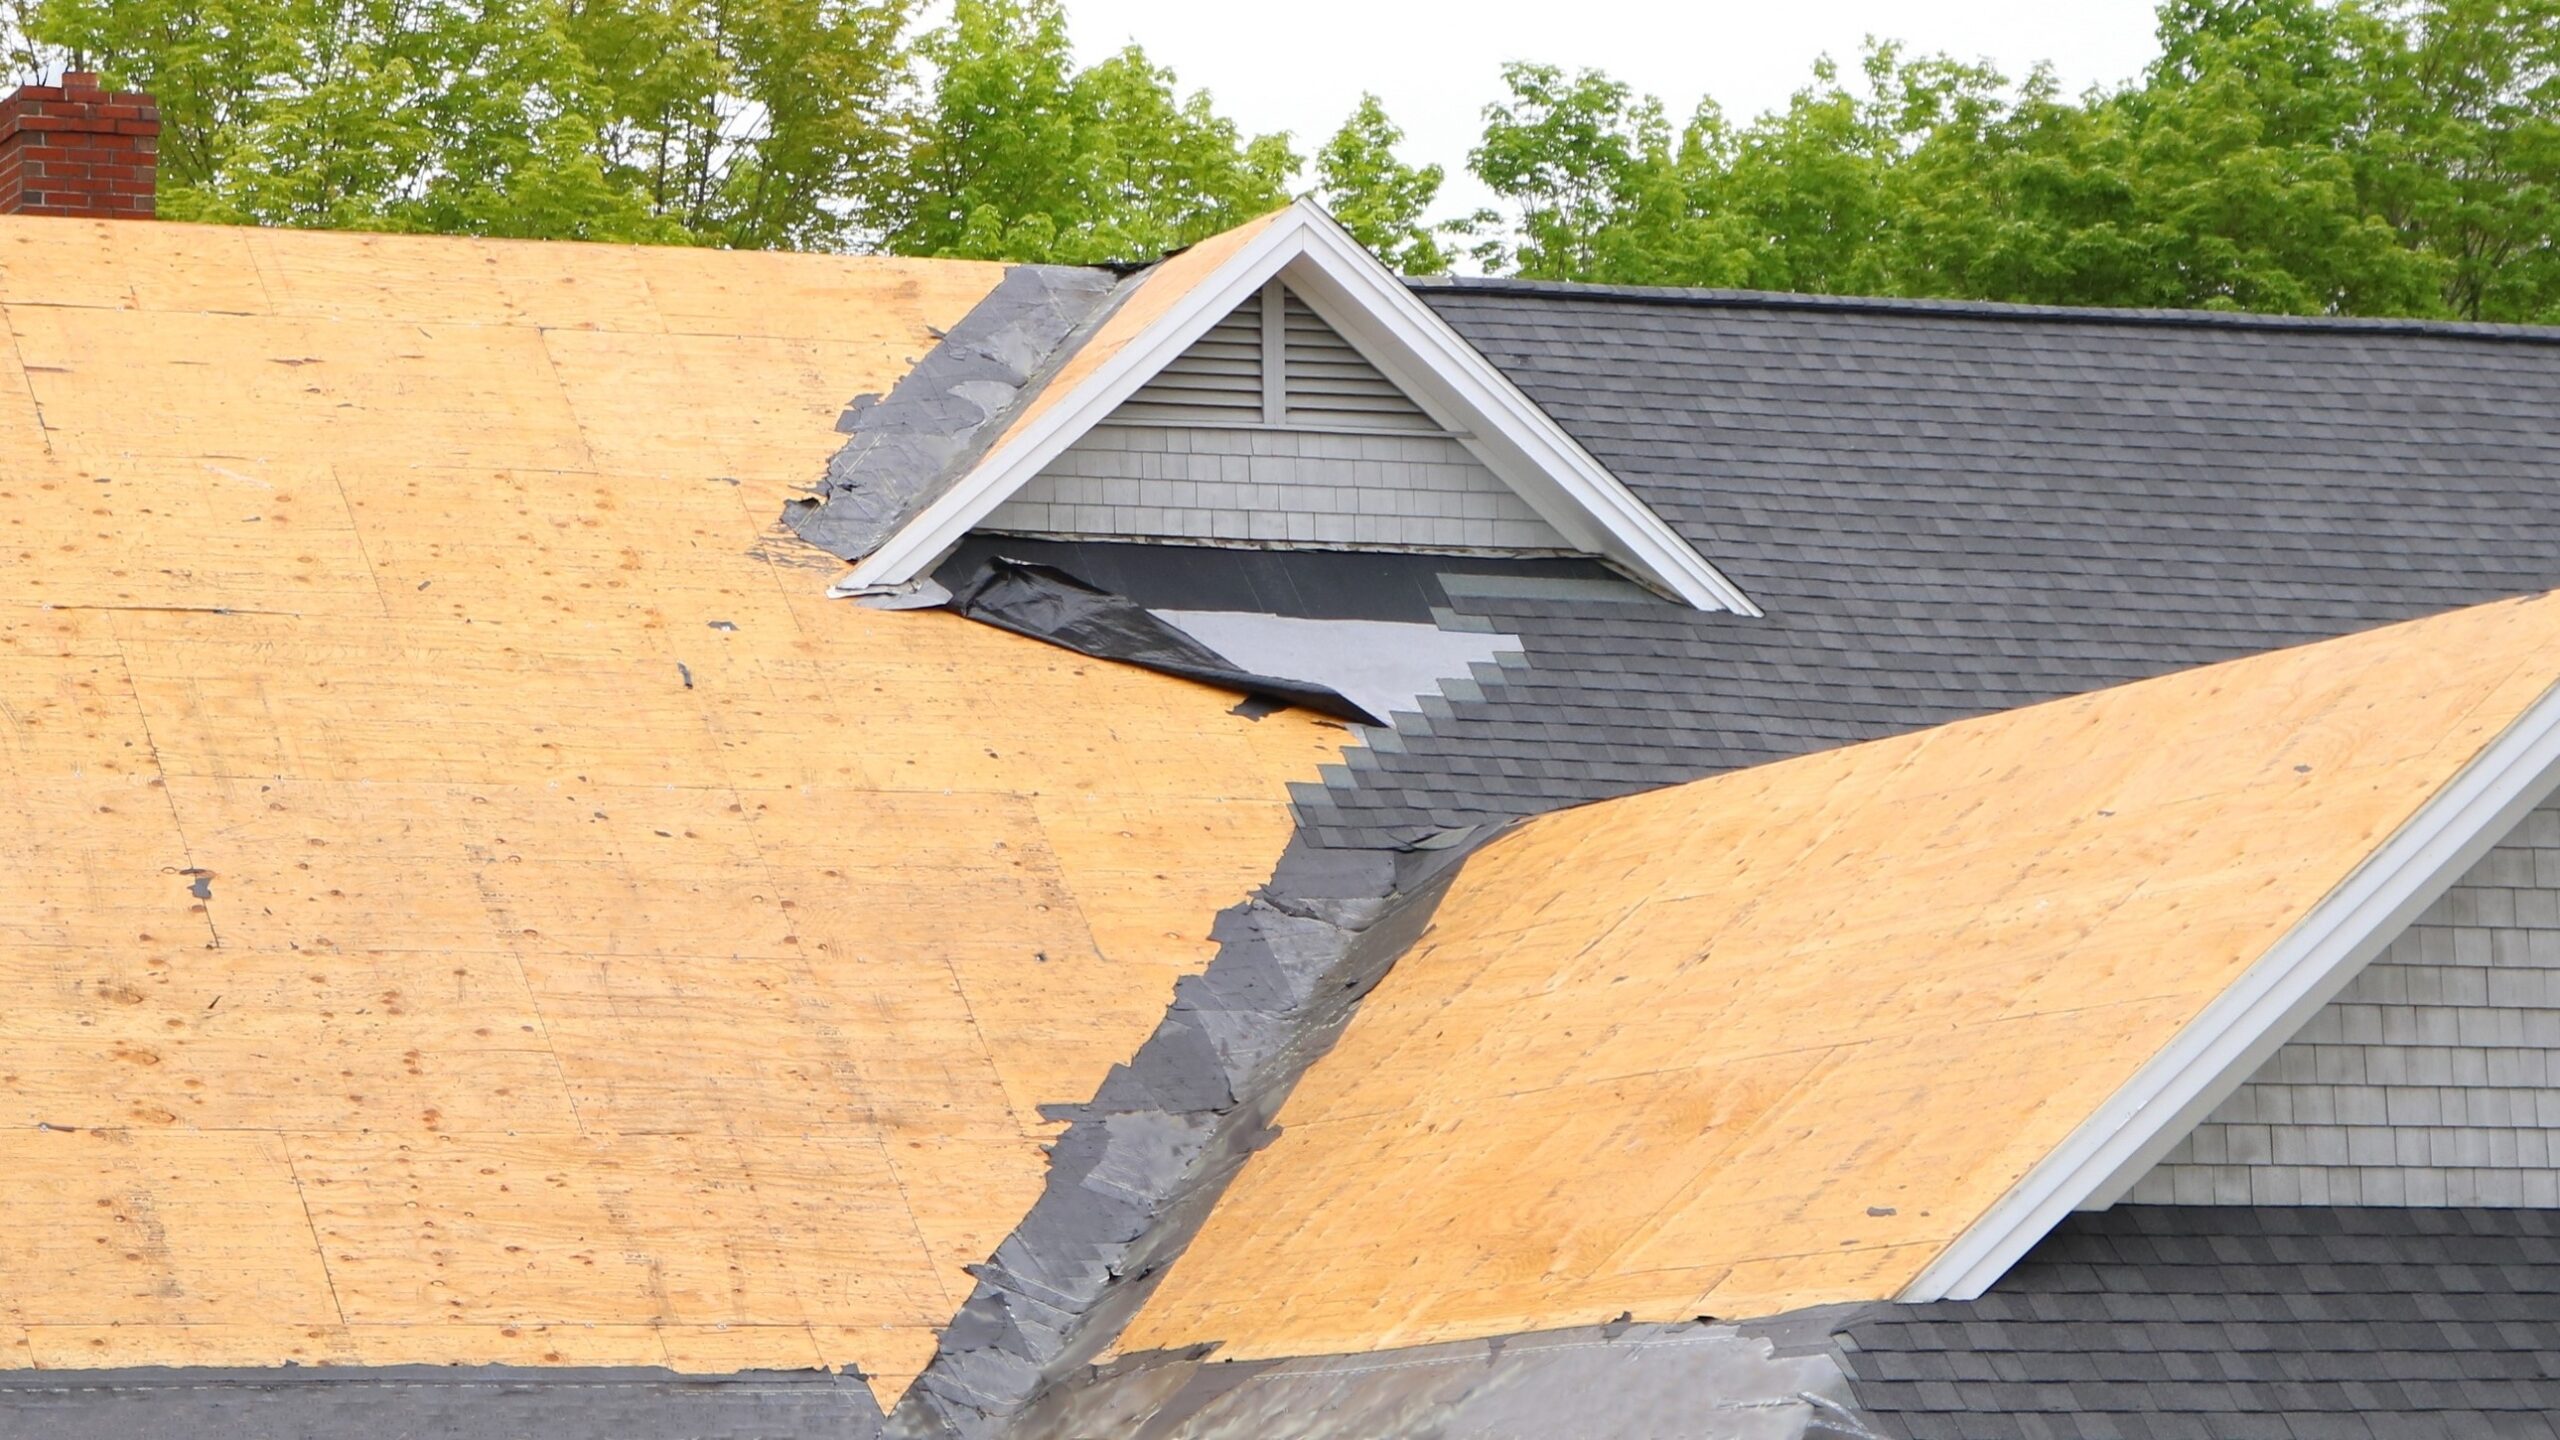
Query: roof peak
point(1704, 298)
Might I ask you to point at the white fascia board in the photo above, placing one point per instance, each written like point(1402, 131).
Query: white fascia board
point(1404, 337)
point(2233, 1036)
point(927, 537)
point(1396, 331)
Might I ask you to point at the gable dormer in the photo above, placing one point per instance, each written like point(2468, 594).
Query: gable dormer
point(1273, 387)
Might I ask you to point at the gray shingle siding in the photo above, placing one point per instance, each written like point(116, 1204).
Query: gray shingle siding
point(1271, 486)
point(2428, 1081)
point(1324, 451)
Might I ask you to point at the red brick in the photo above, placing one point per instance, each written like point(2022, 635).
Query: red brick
point(78, 149)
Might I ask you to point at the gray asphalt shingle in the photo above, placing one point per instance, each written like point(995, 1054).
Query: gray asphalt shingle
point(2220, 1322)
point(1949, 510)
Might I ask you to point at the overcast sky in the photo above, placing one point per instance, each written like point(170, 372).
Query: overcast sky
point(1300, 65)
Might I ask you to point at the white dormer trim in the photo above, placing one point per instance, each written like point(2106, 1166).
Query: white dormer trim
point(2233, 1036)
point(1374, 310)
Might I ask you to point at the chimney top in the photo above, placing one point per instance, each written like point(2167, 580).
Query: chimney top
point(78, 149)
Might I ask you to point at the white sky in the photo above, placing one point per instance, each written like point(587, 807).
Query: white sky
point(1300, 65)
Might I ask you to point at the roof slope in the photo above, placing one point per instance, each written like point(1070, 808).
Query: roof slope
point(465, 894)
point(2226, 1324)
point(1952, 510)
point(1780, 1038)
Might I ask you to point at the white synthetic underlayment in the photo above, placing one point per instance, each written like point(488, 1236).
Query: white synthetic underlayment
point(1382, 666)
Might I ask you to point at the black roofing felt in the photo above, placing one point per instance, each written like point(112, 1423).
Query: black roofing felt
point(903, 450)
point(2196, 1323)
point(1949, 510)
point(1307, 584)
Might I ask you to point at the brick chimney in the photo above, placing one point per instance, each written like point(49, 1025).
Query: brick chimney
point(75, 149)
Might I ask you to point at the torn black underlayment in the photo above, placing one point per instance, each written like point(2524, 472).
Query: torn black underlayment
point(1049, 604)
point(431, 1402)
point(1774, 1380)
point(1135, 1174)
point(906, 448)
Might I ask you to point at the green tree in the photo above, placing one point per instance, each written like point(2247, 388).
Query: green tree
point(1381, 200)
point(2385, 157)
point(753, 123)
point(2467, 163)
point(1570, 152)
point(739, 122)
point(1826, 194)
point(1022, 156)
point(2251, 154)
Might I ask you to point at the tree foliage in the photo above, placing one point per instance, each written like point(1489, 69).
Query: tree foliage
point(741, 122)
point(1382, 201)
point(2388, 157)
point(1019, 155)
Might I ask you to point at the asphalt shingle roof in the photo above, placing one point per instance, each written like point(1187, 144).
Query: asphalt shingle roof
point(2201, 1323)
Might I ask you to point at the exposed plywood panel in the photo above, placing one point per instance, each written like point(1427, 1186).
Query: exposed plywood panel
point(180, 1228)
point(107, 264)
point(465, 895)
point(1775, 1039)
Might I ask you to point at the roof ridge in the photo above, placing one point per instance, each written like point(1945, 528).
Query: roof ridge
point(1707, 298)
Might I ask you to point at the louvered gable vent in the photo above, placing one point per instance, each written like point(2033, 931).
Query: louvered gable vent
point(1217, 381)
point(1330, 386)
point(1325, 384)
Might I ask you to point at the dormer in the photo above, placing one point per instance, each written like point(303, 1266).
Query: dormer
point(1274, 387)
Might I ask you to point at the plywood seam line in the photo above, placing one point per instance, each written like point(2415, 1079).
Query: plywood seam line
point(168, 797)
point(259, 268)
point(362, 550)
point(26, 382)
point(551, 358)
point(915, 1221)
point(1613, 1260)
point(318, 1243)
